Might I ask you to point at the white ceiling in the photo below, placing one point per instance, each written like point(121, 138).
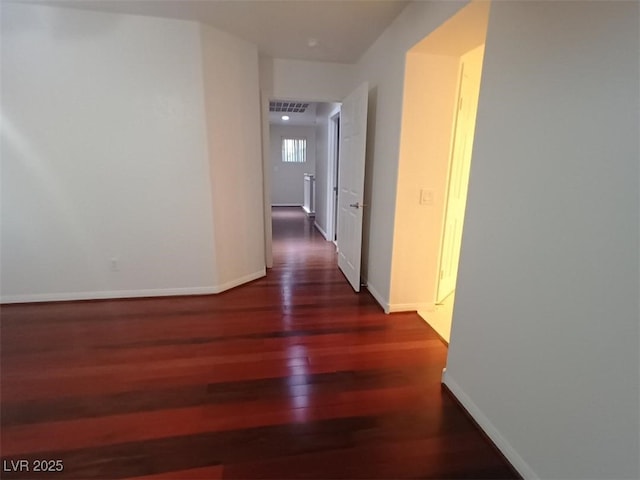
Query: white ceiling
point(344, 29)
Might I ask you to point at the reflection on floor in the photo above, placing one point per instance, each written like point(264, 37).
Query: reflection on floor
point(291, 376)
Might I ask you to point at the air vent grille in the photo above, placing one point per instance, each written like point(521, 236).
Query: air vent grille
point(289, 107)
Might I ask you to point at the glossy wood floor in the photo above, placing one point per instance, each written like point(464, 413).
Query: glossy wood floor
point(291, 376)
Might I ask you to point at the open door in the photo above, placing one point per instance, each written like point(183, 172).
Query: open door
point(470, 76)
point(353, 140)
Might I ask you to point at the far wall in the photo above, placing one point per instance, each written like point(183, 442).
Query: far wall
point(287, 179)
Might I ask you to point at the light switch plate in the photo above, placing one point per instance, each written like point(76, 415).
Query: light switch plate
point(426, 196)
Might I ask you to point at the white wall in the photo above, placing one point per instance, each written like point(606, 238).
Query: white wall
point(232, 100)
point(313, 81)
point(430, 93)
point(324, 172)
point(544, 347)
point(127, 138)
point(287, 179)
point(104, 155)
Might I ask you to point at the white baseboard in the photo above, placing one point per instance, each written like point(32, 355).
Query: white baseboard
point(489, 429)
point(105, 294)
point(115, 294)
point(398, 307)
point(321, 230)
point(239, 281)
point(379, 298)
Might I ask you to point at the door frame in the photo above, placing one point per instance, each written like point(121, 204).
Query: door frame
point(265, 131)
point(332, 174)
point(440, 297)
point(445, 207)
point(334, 146)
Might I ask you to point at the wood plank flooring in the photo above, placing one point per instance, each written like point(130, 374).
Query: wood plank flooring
point(291, 376)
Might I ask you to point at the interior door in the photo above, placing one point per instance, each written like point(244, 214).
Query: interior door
point(353, 139)
point(335, 181)
point(461, 151)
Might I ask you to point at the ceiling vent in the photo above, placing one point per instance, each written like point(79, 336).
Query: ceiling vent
point(289, 107)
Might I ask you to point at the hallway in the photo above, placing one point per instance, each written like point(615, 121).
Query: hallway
point(291, 376)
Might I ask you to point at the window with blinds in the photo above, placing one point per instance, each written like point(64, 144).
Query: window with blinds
point(294, 150)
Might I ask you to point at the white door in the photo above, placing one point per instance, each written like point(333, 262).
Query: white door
point(353, 139)
point(471, 71)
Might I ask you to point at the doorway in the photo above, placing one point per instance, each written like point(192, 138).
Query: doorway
point(315, 125)
point(334, 162)
point(441, 91)
point(459, 168)
point(281, 167)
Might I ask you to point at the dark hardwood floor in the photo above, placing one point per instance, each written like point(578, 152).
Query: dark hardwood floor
point(291, 376)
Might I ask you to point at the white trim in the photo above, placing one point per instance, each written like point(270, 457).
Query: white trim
point(266, 178)
point(286, 205)
point(445, 205)
point(106, 294)
point(116, 294)
point(321, 230)
point(332, 160)
point(239, 281)
point(379, 298)
point(489, 429)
